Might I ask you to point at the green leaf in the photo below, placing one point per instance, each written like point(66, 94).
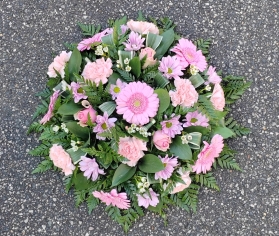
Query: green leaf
point(122, 174)
point(160, 80)
point(43, 166)
point(196, 80)
point(151, 179)
point(81, 182)
point(124, 55)
point(108, 39)
point(75, 155)
point(92, 203)
point(207, 180)
point(150, 164)
point(52, 82)
point(112, 79)
point(108, 107)
point(89, 29)
point(136, 66)
point(164, 98)
point(153, 40)
point(158, 208)
point(74, 64)
point(69, 108)
point(182, 151)
point(224, 132)
point(77, 130)
point(199, 129)
point(168, 38)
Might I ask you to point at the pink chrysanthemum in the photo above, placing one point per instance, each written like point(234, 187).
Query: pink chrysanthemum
point(195, 119)
point(49, 113)
point(213, 78)
point(208, 154)
point(148, 199)
point(116, 89)
point(187, 53)
point(103, 123)
point(90, 167)
point(172, 127)
point(137, 102)
point(169, 164)
point(58, 64)
point(170, 67)
point(78, 92)
point(135, 42)
point(113, 198)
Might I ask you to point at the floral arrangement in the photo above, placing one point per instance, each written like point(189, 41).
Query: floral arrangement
point(136, 118)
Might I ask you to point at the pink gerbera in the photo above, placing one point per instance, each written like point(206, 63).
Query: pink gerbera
point(172, 127)
point(208, 154)
point(213, 77)
point(187, 53)
point(195, 119)
point(170, 67)
point(49, 113)
point(169, 164)
point(134, 43)
point(103, 123)
point(148, 199)
point(137, 102)
point(90, 168)
point(78, 92)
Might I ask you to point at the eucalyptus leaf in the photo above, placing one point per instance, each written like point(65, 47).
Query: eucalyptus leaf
point(168, 38)
point(153, 40)
point(164, 98)
point(122, 174)
point(196, 80)
point(224, 132)
point(75, 155)
point(108, 107)
point(74, 64)
point(160, 80)
point(182, 151)
point(69, 108)
point(200, 129)
point(136, 66)
point(108, 39)
point(150, 164)
point(77, 130)
point(81, 182)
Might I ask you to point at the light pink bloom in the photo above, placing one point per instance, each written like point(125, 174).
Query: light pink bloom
point(78, 92)
point(185, 94)
point(142, 27)
point(132, 149)
point(187, 53)
point(90, 168)
point(98, 71)
point(147, 200)
point(61, 159)
point(124, 28)
point(116, 89)
point(172, 127)
point(169, 164)
point(134, 42)
point(82, 116)
point(137, 102)
point(149, 53)
point(59, 64)
point(208, 154)
point(195, 119)
point(103, 123)
point(161, 140)
point(170, 67)
point(218, 97)
point(213, 78)
point(185, 176)
point(49, 113)
point(113, 198)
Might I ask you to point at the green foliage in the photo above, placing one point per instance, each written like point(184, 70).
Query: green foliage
point(226, 159)
point(68, 182)
point(126, 76)
point(35, 127)
point(80, 196)
point(236, 128)
point(122, 174)
point(71, 46)
point(41, 150)
point(207, 180)
point(49, 134)
point(166, 23)
point(203, 45)
point(46, 93)
point(92, 203)
point(89, 29)
point(41, 109)
point(43, 166)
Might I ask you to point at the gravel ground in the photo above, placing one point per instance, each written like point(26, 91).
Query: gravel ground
point(245, 42)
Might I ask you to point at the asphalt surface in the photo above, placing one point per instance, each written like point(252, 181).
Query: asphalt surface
point(245, 43)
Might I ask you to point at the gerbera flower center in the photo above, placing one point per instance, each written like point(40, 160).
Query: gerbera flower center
point(80, 90)
point(165, 164)
point(168, 124)
point(116, 90)
point(104, 126)
point(194, 120)
point(137, 103)
point(169, 70)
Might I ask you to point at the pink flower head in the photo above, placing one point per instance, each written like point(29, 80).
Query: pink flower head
point(218, 98)
point(116, 89)
point(90, 168)
point(195, 119)
point(103, 123)
point(78, 92)
point(161, 140)
point(185, 94)
point(208, 153)
point(98, 71)
point(142, 27)
point(124, 28)
point(137, 102)
point(58, 64)
point(187, 53)
point(49, 113)
point(113, 198)
point(185, 176)
point(170, 67)
point(169, 164)
point(83, 115)
point(132, 149)
point(149, 53)
point(172, 127)
point(61, 159)
point(134, 43)
point(213, 78)
point(147, 200)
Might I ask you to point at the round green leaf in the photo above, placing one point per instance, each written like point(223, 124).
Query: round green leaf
point(182, 151)
point(150, 164)
point(224, 132)
point(164, 98)
point(81, 182)
point(69, 108)
point(77, 130)
point(122, 174)
point(136, 66)
point(74, 64)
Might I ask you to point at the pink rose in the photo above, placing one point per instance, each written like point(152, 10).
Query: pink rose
point(82, 116)
point(150, 53)
point(180, 186)
point(98, 71)
point(218, 98)
point(161, 140)
point(142, 27)
point(61, 159)
point(132, 149)
point(59, 64)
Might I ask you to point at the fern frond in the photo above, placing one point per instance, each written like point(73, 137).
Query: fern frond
point(126, 75)
point(41, 150)
point(89, 29)
point(35, 127)
point(68, 182)
point(80, 196)
point(43, 166)
point(236, 128)
point(203, 45)
point(46, 93)
point(40, 110)
point(92, 203)
point(207, 180)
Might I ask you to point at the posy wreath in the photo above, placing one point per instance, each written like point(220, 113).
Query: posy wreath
point(135, 118)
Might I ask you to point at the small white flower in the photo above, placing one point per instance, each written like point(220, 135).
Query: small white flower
point(189, 137)
point(66, 130)
point(208, 87)
point(146, 184)
point(139, 185)
point(133, 126)
point(128, 68)
point(105, 49)
point(63, 126)
point(126, 61)
point(130, 130)
point(193, 70)
point(142, 190)
point(75, 148)
point(55, 128)
point(143, 179)
point(118, 66)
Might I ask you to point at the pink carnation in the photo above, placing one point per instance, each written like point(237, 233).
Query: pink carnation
point(90, 168)
point(185, 176)
point(59, 64)
point(161, 140)
point(98, 71)
point(132, 149)
point(113, 198)
point(208, 154)
point(185, 94)
point(218, 97)
point(147, 200)
point(49, 113)
point(142, 27)
point(213, 78)
point(61, 159)
point(169, 164)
